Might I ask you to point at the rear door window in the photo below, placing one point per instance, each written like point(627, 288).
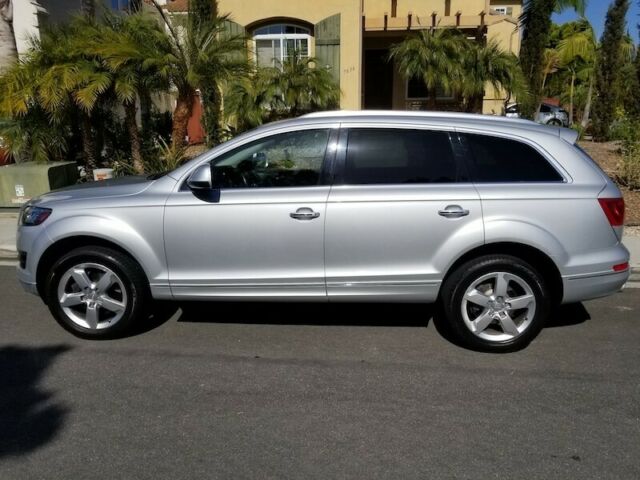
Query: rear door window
point(400, 156)
point(502, 160)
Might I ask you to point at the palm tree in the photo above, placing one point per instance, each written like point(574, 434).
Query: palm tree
point(127, 46)
point(56, 75)
point(8, 51)
point(295, 87)
point(484, 65)
point(304, 87)
point(447, 60)
point(249, 101)
point(432, 55)
point(198, 54)
point(578, 53)
point(536, 25)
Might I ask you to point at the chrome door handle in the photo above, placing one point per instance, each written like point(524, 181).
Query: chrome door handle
point(304, 213)
point(453, 211)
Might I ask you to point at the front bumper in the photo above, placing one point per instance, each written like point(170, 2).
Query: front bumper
point(28, 286)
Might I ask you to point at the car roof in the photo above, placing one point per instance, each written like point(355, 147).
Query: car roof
point(454, 119)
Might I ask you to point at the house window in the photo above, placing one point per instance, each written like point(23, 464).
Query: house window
point(119, 4)
point(276, 43)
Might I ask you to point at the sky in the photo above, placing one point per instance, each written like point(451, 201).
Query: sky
point(596, 12)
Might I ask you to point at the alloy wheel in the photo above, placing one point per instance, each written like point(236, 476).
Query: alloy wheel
point(92, 296)
point(498, 306)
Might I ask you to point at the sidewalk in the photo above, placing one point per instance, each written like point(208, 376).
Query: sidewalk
point(8, 226)
point(9, 221)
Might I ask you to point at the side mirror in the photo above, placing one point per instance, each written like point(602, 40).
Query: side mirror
point(200, 179)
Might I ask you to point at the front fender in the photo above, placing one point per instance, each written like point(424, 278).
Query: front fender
point(147, 247)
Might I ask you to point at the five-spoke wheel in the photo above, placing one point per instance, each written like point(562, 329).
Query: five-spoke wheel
point(495, 302)
point(96, 292)
point(92, 295)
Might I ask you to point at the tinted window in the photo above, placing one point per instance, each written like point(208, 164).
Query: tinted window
point(545, 109)
point(379, 156)
point(501, 160)
point(286, 160)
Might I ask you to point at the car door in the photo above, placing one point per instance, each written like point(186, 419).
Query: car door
point(261, 233)
point(400, 212)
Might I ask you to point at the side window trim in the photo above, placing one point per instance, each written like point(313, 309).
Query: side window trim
point(471, 164)
point(341, 153)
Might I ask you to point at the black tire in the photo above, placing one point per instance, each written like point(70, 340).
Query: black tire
point(133, 281)
point(457, 283)
point(554, 122)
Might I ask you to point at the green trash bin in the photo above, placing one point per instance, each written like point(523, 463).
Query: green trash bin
point(23, 181)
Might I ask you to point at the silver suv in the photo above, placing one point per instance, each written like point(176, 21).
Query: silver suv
point(498, 220)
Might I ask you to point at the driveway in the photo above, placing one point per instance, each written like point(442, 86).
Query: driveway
point(317, 392)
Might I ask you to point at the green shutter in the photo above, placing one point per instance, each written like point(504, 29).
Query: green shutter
point(327, 36)
point(510, 11)
point(234, 29)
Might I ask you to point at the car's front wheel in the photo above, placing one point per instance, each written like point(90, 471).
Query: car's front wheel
point(96, 292)
point(496, 303)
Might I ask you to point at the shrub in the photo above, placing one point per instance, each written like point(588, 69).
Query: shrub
point(628, 131)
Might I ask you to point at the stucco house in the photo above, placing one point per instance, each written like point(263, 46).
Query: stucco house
point(352, 39)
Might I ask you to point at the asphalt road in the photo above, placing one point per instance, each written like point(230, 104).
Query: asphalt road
point(266, 391)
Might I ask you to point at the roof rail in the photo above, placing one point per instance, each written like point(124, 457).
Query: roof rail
point(415, 113)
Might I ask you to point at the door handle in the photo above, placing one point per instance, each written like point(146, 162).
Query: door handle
point(304, 213)
point(453, 211)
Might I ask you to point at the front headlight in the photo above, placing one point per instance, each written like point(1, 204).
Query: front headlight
point(34, 215)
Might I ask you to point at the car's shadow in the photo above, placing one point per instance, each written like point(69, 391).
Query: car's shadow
point(336, 314)
point(351, 314)
point(287, 313)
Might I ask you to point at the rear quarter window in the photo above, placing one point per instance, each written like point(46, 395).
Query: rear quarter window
point(502, 160)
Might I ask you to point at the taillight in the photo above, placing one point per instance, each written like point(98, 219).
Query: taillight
point(613, 208)
point(621, 267)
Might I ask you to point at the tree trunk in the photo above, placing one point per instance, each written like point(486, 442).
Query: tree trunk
point(8, 50)
point(587, 106)
point(145, 111)
point(573, 82)
point(181, 115)
point(431, 102)
point(212, 113)
point(134, 136)
point(88, 145)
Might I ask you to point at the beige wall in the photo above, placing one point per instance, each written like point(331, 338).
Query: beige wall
point(500, 28)
point(247, 12)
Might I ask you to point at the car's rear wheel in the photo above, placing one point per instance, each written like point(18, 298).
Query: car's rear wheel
point(555, 122)
point(496, 303)
point(96, 292)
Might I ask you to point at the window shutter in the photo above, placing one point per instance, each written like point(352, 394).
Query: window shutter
point(510, 11)
point(327, 37)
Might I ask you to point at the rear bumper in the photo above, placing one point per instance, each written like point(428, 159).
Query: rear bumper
point(577, 289)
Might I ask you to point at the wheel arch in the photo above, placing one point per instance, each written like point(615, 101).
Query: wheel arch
point(63, 245)
point(535, 257)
